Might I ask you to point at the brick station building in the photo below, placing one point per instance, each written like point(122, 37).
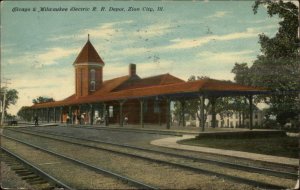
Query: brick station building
point(141, 100)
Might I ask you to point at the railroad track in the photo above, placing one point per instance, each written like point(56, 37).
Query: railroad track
point(132, 130)
point(178, 165)
point(271, 172)
point(134, 183)
point(37, 178)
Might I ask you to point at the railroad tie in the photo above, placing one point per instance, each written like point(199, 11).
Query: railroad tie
point(38, 182)
point(24, 173)
point(12, 163)
point(29, 177)
point(35, 180)
point(9, 162)
point(18, 168)
point(50, 187)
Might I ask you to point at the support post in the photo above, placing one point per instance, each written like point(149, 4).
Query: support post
point(159, 114)
point(33, 114)
point(69, 115)
point(168, 114)
point(79, 114)
point(121, 113)
point(142, 113)
point(92, 114)
point(183, 112)
point(61, 115)
point(213, 112)
point(43, 115)
point(40, 115)
point(37, 113)
point(240, 119)
point(54, 113)
point(105, 115)
point(202, 123)
point(48, 115)
point(251, 111)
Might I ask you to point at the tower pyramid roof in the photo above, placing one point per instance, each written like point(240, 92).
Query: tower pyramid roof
point(88, 54)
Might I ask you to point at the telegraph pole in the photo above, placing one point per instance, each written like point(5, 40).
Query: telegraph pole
point(297, 186)
point(3, 108)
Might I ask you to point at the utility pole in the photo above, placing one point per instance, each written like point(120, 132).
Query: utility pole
point(298, 181)
point(4, 100)
point(297, 184)
point(3, 108)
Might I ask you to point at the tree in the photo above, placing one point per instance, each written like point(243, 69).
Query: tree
point(42, 99)
point(284, 43)
point(11, 97)
point(191, 106)
point(242, 75)
point(178, 112)
point(278, 68)
point(224, 106)
point(24, 113)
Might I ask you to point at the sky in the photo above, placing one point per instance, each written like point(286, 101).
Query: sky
point(201, 38)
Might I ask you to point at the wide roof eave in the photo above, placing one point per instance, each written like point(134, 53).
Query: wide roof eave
point(186, 90)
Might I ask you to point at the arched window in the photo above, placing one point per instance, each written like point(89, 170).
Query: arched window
point(92, 74)
point(92, 80)
point(92, 86)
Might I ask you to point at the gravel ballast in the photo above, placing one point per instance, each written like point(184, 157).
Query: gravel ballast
point(148, 172)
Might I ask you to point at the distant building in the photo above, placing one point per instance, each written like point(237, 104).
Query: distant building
point(235, 120)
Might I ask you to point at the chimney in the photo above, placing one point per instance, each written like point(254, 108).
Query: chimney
point(132, 69)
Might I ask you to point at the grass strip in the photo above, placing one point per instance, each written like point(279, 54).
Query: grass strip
point(276, 146)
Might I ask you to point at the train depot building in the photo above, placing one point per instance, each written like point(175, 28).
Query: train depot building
point(131, 99)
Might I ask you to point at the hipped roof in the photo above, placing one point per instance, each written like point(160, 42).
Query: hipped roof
point(177, 89)
point(88, 54)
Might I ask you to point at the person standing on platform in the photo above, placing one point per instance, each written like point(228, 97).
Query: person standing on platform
point(68, 119)
point(125, 120)
point(36, 121)
point(78, 119)
point(82, 119)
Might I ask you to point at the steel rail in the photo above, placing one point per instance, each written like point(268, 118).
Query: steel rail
point(191, 168)
point(149, 131)
point(215, 162)
point(96, 169)
point(38, 171)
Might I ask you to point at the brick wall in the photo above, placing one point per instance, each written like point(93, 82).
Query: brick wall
point(131, 109)
point(82, 79)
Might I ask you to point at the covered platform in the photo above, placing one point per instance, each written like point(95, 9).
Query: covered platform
point(133, 100)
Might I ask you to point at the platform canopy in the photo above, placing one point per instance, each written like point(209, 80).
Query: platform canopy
point(187, 90)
